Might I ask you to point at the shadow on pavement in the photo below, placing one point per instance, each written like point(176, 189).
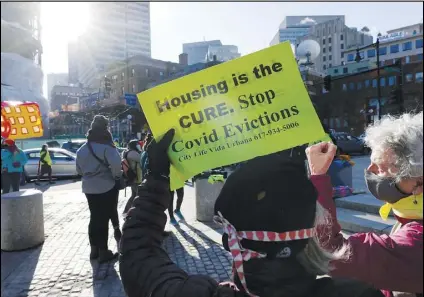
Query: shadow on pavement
point(106, 280)
point(197, 255)
point(17, 271)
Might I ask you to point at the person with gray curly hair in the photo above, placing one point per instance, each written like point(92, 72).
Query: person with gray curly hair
point(392, 263)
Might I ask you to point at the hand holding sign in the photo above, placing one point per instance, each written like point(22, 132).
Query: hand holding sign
point(157, 152)
point(232, 112)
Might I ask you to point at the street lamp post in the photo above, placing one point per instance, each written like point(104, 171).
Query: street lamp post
point(129, 117)
point(359, 58)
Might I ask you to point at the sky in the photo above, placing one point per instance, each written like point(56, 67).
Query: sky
point(249, 25)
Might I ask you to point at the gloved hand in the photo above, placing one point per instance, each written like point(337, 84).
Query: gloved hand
point(157, 154)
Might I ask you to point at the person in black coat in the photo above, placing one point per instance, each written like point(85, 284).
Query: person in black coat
point(268, 193)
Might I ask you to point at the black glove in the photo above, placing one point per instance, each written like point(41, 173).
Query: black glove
point(157, 154)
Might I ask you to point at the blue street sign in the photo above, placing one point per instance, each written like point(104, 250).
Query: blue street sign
point(131, 99)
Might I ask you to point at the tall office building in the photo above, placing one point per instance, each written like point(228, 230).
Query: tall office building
point(116, 32)
point(21, 74)
point(53, 79)
point(334, 38)
point(203, 51)
point(293, 27)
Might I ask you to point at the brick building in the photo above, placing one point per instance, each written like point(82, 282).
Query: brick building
point(352, 102)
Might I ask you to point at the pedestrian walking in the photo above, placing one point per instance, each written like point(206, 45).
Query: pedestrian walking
point(45, 164)
point(13, 161)
point(177, 211)
point(132, 159)
point(269, 216)
point(99, 164)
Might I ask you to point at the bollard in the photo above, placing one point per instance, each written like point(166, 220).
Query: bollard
point(22, 220)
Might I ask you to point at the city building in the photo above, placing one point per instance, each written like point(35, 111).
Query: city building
point(398, 43)
point(66, 98)
point(54, 79)
point(334, 37)
point(222, 53)
point(21, 50)
point(293, 27)
point(352, 102)
point(203, 51)
point(73, 63)
point(116, 31)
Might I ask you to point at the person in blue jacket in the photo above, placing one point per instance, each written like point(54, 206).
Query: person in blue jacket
point(13, 161)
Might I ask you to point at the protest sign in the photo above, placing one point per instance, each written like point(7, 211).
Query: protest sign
point(248, 107)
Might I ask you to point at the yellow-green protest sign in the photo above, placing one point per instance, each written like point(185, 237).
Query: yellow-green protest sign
point(232, 112)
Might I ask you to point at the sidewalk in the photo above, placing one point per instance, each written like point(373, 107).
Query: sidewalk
point(60, 267)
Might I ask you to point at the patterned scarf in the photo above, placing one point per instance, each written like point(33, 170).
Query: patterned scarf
point(239, 254)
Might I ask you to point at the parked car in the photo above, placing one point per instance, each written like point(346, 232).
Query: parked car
point(63, 163)
point(349, 144)
point(73, 145)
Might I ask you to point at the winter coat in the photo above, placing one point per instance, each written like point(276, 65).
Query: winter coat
point(8, 159)
point(147, 271)
point(391, 263)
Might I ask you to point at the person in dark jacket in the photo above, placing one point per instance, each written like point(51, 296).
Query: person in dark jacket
point(282, 260)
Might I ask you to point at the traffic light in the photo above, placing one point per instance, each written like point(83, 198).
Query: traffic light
point(396, 96)
point(108, 84)
point(327, 83)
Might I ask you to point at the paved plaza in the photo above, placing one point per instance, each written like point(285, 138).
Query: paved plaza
point(60, 267)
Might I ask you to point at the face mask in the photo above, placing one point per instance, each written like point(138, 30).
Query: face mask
point(383, 188)
point(138, 147)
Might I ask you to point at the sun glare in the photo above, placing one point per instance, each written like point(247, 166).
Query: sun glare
point(67, 19)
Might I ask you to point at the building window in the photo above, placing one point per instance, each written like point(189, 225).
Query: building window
point(419, 43)
point(367, 83)
point(329, 39)
point(345, 70)
point(394, 48)
point(324, 58)
point(342, 46)
point(407, 46)
point(409, 77)
point(122, 91)
point(161, 73)
point(132, 72)
point(419, 77)
point(330, 57)
point(420, 57)
point(323, 41)
point(351, 86)
point(382, 82)
point(324, 67)
point(323, 50)
point(371, 53)
point(392, 80)
point(359, 86)
point(344, 87)
point(383, 51)
point(342, 55)
point(330, 65)
point(329, 49)
point(374, 83)
point(336, 71)
point(407, 59)
point(350, 57)
point(341, 37)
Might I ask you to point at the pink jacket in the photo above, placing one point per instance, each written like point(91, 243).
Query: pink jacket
point(390, 263)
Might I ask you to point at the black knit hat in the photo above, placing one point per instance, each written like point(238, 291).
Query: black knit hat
point(100, 122)
point(269, 193)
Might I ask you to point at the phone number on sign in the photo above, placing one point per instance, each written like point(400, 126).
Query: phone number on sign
point(277, 130)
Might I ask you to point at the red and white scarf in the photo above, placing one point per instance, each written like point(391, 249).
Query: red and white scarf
point(240, 254)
